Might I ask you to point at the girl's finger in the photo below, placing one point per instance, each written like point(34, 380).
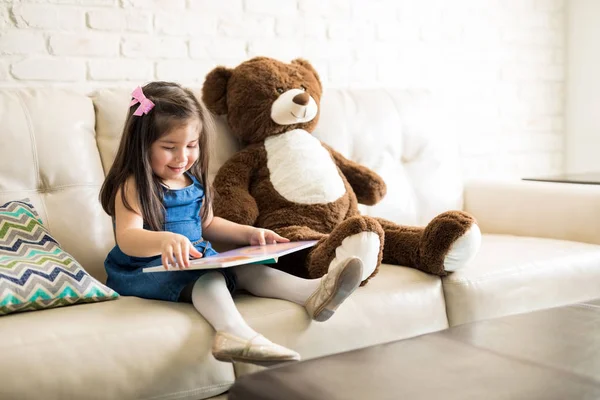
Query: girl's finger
point(280, 239)
point(167, 257)
point(179, 256)
point(172, 260)
point(261, 238)
point(195, 252)
point(185, 253)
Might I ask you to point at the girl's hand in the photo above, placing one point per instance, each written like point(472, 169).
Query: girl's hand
point(176, 249)
point(264, 236)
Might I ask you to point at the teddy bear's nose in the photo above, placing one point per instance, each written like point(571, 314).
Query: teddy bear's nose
point(301, 99)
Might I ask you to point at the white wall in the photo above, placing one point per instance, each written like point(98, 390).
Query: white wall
point(582, 133)
point(497, 64)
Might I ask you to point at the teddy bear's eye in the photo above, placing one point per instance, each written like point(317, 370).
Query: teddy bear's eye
point(279, 90)
point(303, 88)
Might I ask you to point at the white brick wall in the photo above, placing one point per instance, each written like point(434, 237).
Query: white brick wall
point(498, 65)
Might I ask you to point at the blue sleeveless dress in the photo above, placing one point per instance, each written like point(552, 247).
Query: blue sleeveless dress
point(182, 215)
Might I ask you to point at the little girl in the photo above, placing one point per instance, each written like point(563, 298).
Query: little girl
point(158, 194)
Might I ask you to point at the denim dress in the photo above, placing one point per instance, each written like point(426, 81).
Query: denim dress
point(182, 215)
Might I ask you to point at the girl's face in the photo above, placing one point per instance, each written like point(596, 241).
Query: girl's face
point(175, 152)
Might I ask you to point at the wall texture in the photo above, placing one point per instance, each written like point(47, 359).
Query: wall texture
point(498, 65)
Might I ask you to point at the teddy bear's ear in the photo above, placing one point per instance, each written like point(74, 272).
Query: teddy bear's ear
point(214, 90)
point(304, 63)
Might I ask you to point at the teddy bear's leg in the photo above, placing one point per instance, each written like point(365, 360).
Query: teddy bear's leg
point(295, 233)
point(446, 244)
point(358, 236)
point(295, 263)
point(402, 243)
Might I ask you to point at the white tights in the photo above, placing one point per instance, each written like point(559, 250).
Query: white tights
point(213, 301)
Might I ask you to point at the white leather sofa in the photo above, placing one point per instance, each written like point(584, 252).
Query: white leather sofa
point(541, 248)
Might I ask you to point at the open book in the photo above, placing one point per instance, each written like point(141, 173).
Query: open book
point(267, 254)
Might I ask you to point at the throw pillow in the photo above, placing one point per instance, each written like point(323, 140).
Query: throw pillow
point(35, 273)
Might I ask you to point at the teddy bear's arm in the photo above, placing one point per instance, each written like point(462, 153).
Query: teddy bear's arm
point(367, 185)
point(233, 200)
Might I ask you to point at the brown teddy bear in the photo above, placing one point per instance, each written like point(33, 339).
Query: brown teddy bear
point(287, 180)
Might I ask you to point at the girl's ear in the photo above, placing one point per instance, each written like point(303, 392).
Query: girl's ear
point(214, 90)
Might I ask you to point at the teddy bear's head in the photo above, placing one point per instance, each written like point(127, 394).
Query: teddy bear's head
point(264, 97)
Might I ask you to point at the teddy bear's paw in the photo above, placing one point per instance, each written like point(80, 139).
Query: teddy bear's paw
point(463, 250)
point(365, 246)
point(449, 242)
point(358, 236)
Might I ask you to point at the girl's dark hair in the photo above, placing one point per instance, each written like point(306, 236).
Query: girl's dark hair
point(173, 105)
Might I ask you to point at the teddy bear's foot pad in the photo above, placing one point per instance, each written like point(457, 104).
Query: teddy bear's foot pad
point(463, 249)
point(364, 245)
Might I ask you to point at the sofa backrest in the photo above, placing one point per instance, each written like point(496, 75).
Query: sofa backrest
point(56, 147)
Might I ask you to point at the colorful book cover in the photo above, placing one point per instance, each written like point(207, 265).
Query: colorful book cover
point(267, 254)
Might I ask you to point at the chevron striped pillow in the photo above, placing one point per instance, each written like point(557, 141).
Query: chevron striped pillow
point(35, 273)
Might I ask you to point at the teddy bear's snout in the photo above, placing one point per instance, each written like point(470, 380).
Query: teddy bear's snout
point(293, 107)
point(301, 99)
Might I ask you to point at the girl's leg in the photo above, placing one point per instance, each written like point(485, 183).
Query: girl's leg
point(234, 340)
point(320, 297)
point(211, 297)
point(264, 281)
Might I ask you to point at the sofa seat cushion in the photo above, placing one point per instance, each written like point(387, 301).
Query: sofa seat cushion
point(397, 303)
point(122, 349)
point(515, 274)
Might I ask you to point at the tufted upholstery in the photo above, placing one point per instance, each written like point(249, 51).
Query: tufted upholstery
point(394, 134)
point(50, 154)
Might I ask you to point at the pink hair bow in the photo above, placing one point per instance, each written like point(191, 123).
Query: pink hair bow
point(145, 104)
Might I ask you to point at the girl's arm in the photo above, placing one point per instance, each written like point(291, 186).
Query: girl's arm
point(136, 241)
point(221, 230)
point(131, 236)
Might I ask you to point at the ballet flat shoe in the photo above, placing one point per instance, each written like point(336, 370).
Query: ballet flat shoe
point(335, 287)
point(231, 348)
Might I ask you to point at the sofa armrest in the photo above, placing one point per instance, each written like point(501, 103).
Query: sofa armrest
point(539, 209)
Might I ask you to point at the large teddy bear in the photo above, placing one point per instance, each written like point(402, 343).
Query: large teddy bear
point(286, 180)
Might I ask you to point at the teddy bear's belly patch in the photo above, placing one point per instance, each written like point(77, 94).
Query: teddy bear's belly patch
point(302, 170)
